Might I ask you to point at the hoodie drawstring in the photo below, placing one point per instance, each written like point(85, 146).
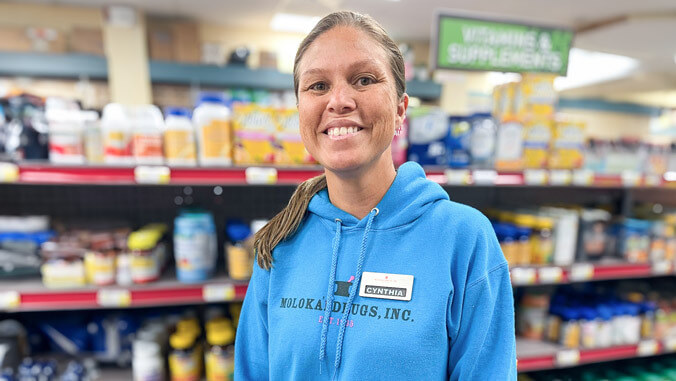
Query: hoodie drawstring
point(329, 294)
point(353, 292)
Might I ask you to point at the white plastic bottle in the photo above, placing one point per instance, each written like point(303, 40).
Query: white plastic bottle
point(179, 138)
point(117, 135)
point(147, 362)
point(148, 127)
point(212, 120)
point(66, 136)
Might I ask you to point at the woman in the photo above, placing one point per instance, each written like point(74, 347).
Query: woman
point(370, 273)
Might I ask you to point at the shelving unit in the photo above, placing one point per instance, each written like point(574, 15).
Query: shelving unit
point(31, 295)
point(537, 355)
point(46, 173)
point(76, 66)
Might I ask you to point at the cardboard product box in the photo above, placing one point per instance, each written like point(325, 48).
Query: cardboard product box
point(86, 40)
point(567, 149)
point(14, 39)
point(213, 53)
point(537, 140)
point(267, 60)
point(186, 42)
point(160, 43)
point(47, 40)
point(254, 133)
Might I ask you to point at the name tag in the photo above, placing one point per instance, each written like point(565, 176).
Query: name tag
point(386, 286)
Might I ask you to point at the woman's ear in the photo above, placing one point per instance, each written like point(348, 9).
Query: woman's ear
point(401, 109)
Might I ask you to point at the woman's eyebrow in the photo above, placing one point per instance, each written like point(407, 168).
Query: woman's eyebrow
point(371, 63)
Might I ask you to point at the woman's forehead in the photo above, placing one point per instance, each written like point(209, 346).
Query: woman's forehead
point(342, 48)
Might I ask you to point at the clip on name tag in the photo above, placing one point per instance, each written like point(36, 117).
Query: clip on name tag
point(386, 286)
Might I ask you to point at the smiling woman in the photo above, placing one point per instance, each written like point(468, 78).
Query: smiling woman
point(370, 271)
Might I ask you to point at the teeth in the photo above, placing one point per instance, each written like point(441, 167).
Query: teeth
point(341, 131)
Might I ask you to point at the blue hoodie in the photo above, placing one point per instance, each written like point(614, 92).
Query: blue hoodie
point(458, 324)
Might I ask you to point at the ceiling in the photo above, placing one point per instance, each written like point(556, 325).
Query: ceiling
point(643, 29)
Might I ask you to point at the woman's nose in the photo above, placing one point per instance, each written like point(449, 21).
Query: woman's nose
point(341, 99)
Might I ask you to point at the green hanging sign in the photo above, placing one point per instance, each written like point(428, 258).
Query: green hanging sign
point(473, 44)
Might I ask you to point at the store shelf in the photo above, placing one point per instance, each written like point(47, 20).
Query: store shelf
point(537, 355)
point(104, 175)
point(32, 295)
point(585, 272)
point(45, 173)
point(75, 66)
point(219, 76)
point(68, 66)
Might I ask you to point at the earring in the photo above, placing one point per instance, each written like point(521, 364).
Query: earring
point(397, 132)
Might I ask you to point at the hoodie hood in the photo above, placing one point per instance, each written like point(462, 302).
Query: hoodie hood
point(408, 198)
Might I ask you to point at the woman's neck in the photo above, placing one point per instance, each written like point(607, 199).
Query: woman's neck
point(359, 192)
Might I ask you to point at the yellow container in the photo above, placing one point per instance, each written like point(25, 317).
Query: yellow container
point(538, 136)
point(219, 359)
point(524, 254)
point(254, 132)
point(184, 365)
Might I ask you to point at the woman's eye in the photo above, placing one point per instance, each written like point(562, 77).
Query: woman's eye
point(365, 81)
point(319, 86)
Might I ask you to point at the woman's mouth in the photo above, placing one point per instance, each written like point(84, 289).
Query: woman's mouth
point(342, 132)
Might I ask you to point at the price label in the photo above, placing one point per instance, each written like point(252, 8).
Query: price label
point(583, 177)
point(9, 173)
point(631, 178)
point(458, 177)
point(259, 175)
point(560, 177)
point(535, 176)
point(580, 272)
point(567, 357)
point(484, 177)
point(647, 347)
point(113, 298)
point(653, 180)
point(523, 276)
point(550, 274)
point(218, 292)
point(9, 300)
point(661, 267)
point(152, 175)
point(670, 343)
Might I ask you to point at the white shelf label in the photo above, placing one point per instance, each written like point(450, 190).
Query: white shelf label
point(670, 343)
point(113, 297)
point(218, 292)
point(550, 274)
point(9, 300)
point(152, 175)
point(458, 176)
point(583, 177)
point(567, 357)
point(9, 173)
point(260, 175)
point(560, 177)
point(661, 267)
point(647, 347)
point(535, 176)
point(484, 177)
point(523, 276)
point(631, 178)
point(581, 272)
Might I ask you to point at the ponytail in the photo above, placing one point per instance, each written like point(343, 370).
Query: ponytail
point(286, 222)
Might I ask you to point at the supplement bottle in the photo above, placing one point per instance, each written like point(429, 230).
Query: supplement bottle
point(212, 120)
point(219, 358)
point(179, 138)
point(183, 365)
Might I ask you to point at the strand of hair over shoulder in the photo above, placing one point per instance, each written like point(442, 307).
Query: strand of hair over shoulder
point(286, 222)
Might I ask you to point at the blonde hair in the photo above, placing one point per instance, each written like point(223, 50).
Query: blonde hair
point(285, 224)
